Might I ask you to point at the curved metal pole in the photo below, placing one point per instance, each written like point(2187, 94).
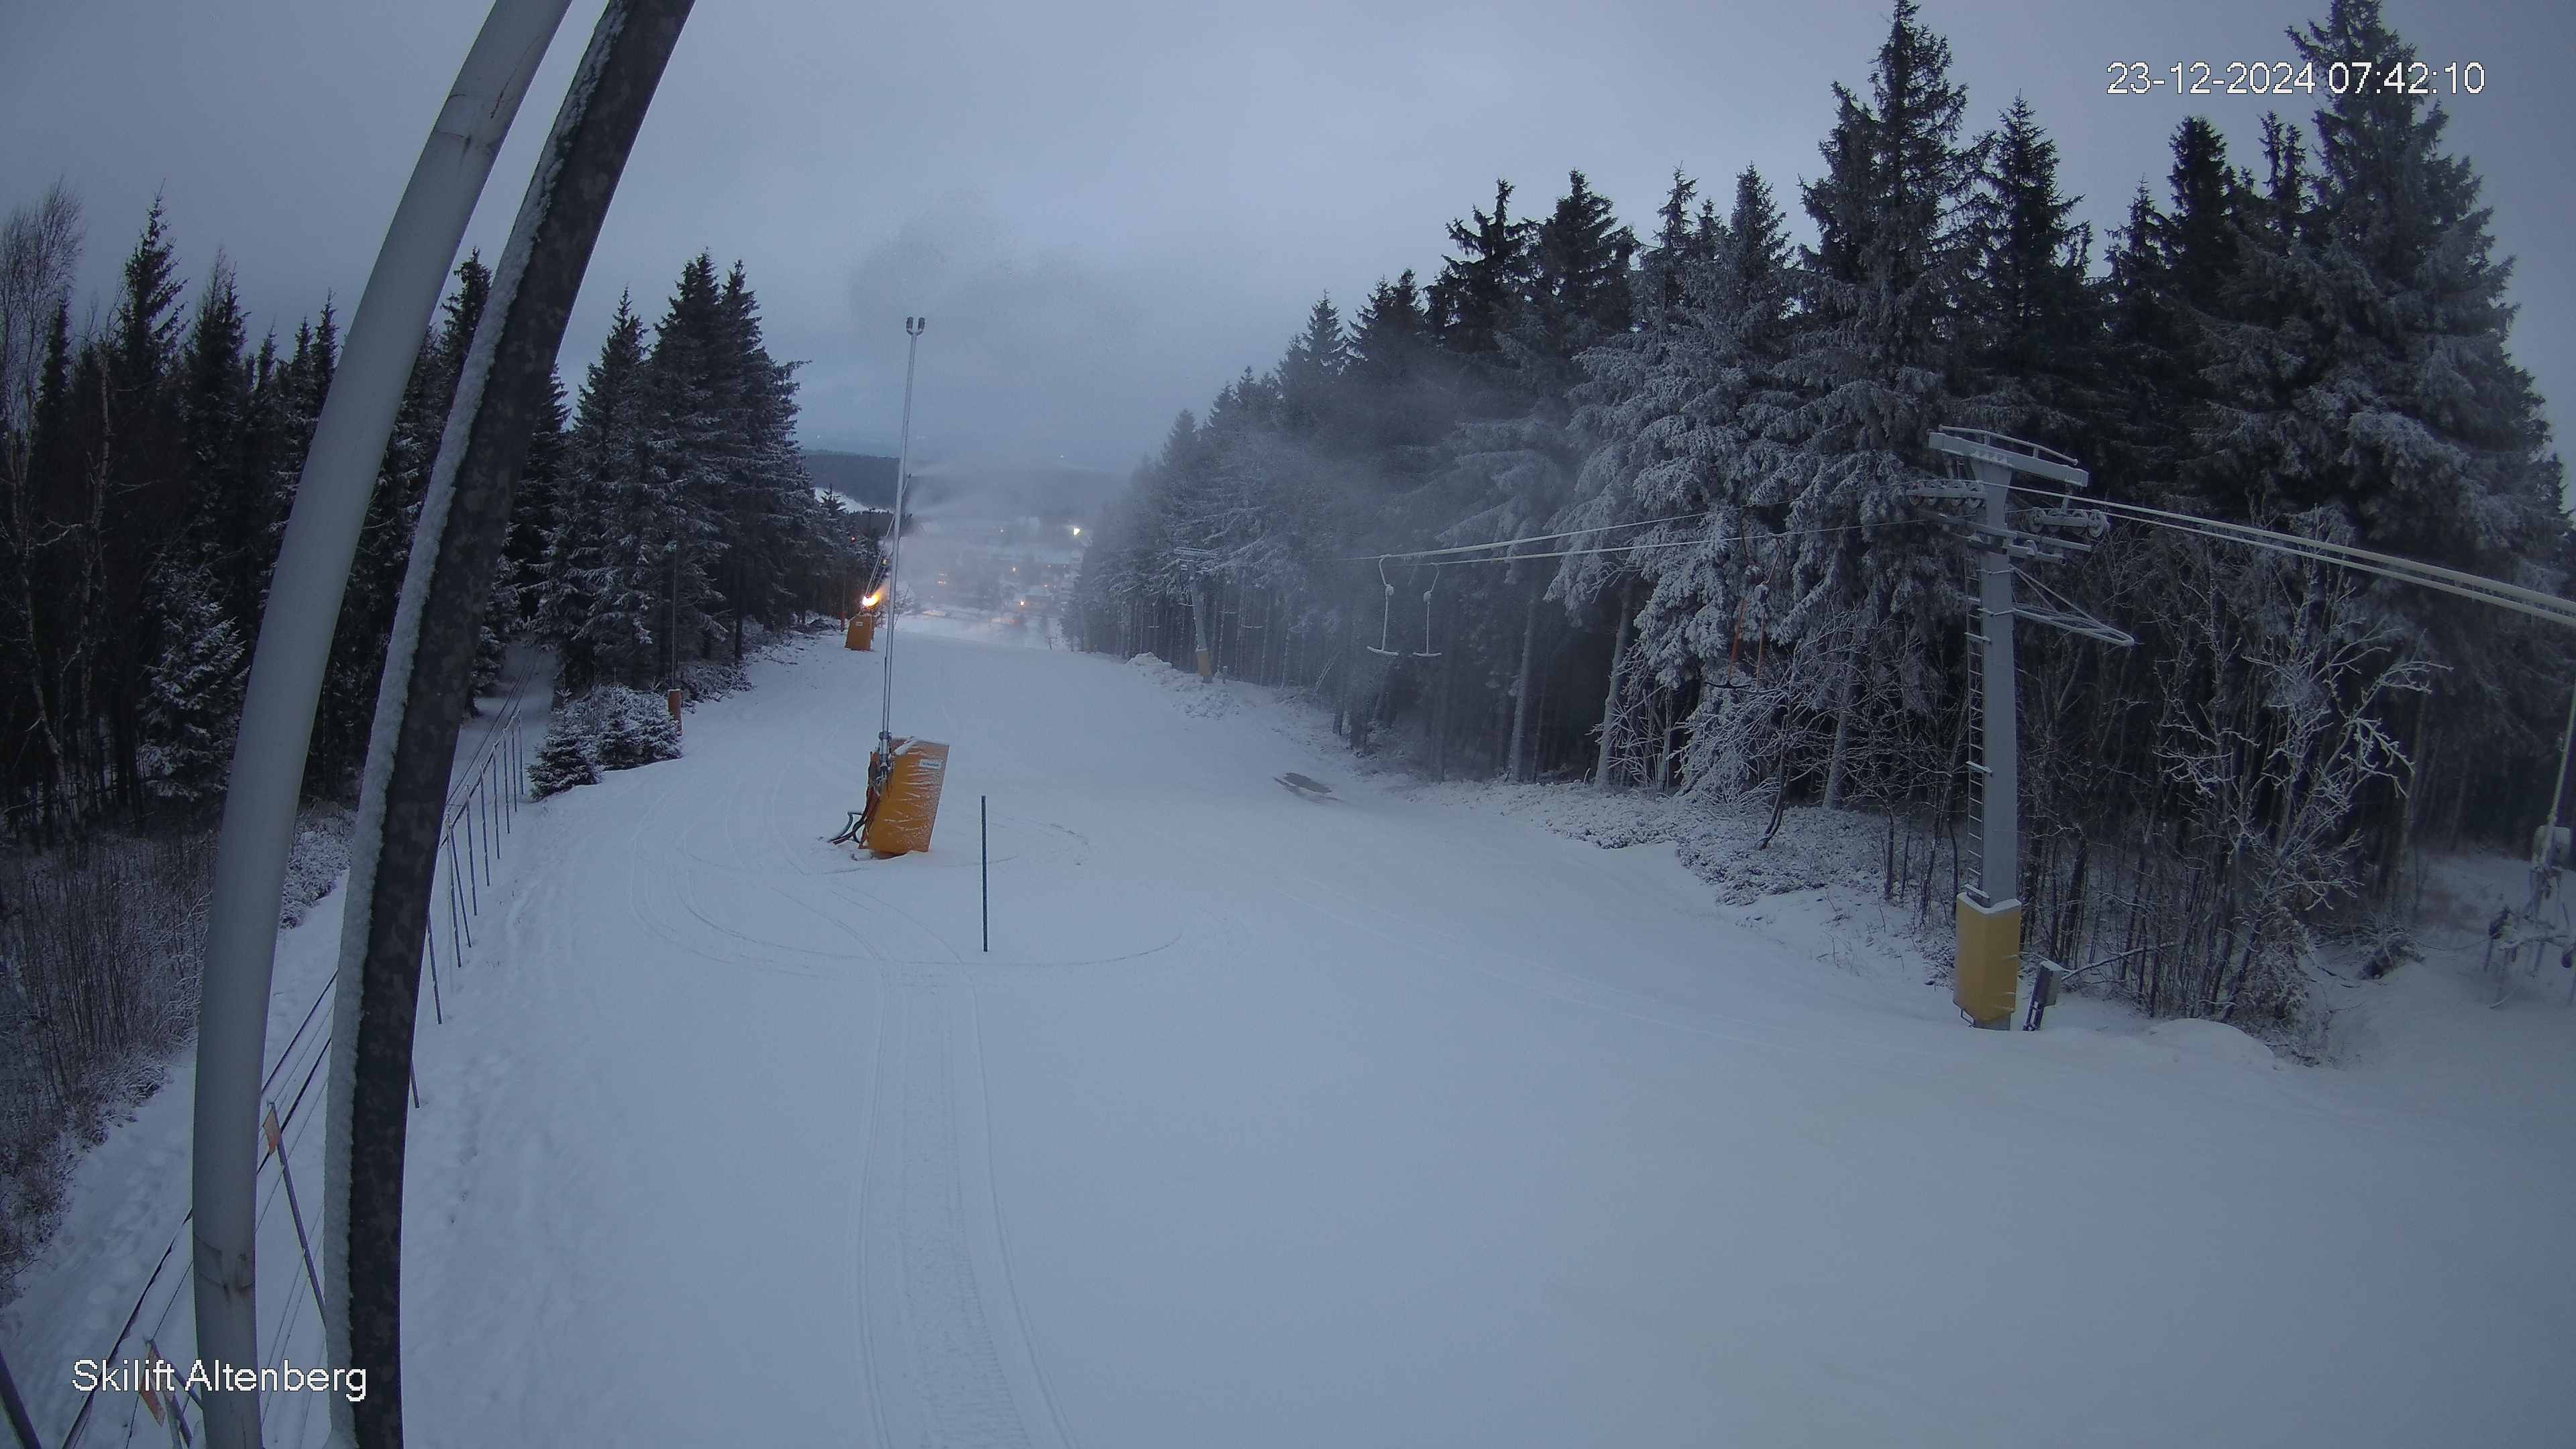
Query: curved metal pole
point(286, 676)
point(912, 328)
point(429, 660)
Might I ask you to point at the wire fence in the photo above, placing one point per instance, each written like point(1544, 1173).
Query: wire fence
point(483, 800)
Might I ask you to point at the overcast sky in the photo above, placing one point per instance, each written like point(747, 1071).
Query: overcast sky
point(1108, 210)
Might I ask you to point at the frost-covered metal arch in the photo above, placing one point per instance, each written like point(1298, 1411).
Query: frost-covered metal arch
point(455, 548)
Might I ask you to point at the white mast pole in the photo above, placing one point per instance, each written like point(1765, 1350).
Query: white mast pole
point(912, 328)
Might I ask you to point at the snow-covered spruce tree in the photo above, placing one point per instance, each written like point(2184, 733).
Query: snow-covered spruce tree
point(790, 552)
point(2030, 326)
point(1399, 395)
point(194, 708)
point(2361, 379)
point(1629, 385)
point(1874, 359)
point(1310, 374)
point(1515, 472)
point(347, 708)
point(620, 745)
point(1580, 290)
point(129, 381)
point(519, 595)
point(693, 451)
point(1479, 293)
point(230, 499)
point(561, 764)
point(679, 483)
point(2169, 271)
point(1684, 418)
point(596, 606)
point(2374, 373)
point(347, 711)
point(518, 584)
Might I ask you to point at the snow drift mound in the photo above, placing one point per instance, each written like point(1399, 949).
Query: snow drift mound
point(2212, 1041)
point(1204, 698)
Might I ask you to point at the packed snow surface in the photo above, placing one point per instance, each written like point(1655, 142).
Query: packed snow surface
point(1382, 1120)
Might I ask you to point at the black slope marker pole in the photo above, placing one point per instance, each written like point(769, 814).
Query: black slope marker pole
point(984, 859)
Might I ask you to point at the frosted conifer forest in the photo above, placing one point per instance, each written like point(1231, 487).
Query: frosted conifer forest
point(1907, 787)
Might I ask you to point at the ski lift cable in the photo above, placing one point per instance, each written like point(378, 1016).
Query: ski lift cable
point(2250, 531)
point(1642, 547)
point(2391, 566)
point(2292, 546)
point(1532, 538)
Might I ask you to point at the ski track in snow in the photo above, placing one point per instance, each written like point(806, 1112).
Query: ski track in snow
point(897, 1236)
point(964, 1370)
point(1394, 1124)
point(938, 1337)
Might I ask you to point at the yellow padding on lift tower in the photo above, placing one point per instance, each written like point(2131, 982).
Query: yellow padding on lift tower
point(863, 630)
point(1989, 962)
point(910, 805)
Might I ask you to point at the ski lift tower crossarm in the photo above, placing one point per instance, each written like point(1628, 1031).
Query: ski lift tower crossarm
point(1989, 909)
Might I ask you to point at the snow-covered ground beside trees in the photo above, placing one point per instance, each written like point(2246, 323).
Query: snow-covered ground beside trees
point(1398, 1118)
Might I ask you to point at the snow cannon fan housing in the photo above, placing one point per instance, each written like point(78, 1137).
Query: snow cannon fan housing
point(863, 621)
point(901, 818)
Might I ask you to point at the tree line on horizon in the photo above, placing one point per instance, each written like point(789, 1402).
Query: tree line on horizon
point(1725, 427)
point(148, 459)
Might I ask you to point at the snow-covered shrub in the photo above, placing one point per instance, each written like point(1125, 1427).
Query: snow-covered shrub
point(315, 861)
point(644, 716)
point(99, 945)
point(621, 746)
point(610, 728)
point(561, 765)
point(702, 679)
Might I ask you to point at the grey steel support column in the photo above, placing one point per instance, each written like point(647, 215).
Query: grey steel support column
point(456, 546)
point(1999, 883)
point(913, 327)
point(286, 677)
point(1989, 910)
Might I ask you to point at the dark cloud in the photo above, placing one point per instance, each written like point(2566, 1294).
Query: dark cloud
point(1108, 210)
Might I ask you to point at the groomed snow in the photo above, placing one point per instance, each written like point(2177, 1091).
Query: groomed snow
point(1384, 1120)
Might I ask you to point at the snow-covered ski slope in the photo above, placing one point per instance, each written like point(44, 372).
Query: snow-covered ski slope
point(1389, 1122)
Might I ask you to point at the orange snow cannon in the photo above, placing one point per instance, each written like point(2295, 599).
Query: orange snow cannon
point(901, 818)
point(863, 619)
